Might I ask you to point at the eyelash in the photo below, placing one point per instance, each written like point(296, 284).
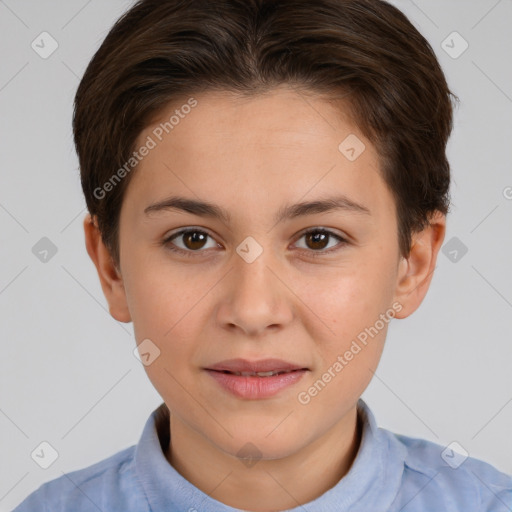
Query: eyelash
point(315, 254)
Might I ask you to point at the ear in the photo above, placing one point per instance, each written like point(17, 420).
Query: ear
point(110, 277)
point(415, 272)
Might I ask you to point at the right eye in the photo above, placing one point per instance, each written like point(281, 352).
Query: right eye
point(193, 240)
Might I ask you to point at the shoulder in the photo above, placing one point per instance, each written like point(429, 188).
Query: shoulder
point(446, 478)
point(109, 484)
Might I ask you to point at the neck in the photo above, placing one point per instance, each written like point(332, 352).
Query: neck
point(269, 484)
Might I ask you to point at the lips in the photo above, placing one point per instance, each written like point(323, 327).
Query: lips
point(256, 380)
point(261, 368)
point(258, 374)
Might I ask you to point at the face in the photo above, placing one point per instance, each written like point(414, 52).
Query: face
point(315, 287)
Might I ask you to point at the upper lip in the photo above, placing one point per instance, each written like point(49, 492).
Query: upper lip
point(263, 365)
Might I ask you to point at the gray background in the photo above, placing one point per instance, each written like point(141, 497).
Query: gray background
point(68, 375)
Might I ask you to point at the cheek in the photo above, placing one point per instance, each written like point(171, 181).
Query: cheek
point(352, 297)
point(162, 298)
point(166, 310)
point(350, 355)
point(357, 307)
point(169, 308)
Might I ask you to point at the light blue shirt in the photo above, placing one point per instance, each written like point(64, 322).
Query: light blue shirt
point(391, 473)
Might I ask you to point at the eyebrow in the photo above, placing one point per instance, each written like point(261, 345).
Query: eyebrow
point(206, 209)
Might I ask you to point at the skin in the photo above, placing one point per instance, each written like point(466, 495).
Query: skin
point(252, 156)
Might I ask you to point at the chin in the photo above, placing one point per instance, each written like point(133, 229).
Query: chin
point(260, 446)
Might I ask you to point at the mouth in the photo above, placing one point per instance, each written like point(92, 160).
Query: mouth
point(252, 380)
point(259, 374)
point(262, 367)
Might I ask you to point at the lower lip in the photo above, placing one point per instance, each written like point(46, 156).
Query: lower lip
point(256, 387)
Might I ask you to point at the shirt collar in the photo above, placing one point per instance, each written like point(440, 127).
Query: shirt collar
point(373, 480)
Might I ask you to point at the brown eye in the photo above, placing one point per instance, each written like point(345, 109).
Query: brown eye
point(317, 240)
point(191, 241)
point(194, 239)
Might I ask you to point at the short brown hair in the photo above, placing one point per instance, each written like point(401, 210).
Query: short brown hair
point(367, 51)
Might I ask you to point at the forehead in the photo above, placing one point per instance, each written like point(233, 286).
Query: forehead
point(262, 150)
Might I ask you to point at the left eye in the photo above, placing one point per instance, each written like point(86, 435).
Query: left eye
point(318, 239)
point(193, 240)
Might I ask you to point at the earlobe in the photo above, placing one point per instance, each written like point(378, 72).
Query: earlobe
point(110, 277)
point(415, 273)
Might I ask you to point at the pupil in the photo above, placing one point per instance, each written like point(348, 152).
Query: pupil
point(318, 238)
point(193, 238)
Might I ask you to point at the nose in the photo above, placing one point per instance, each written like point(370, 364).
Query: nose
point(256, 297)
